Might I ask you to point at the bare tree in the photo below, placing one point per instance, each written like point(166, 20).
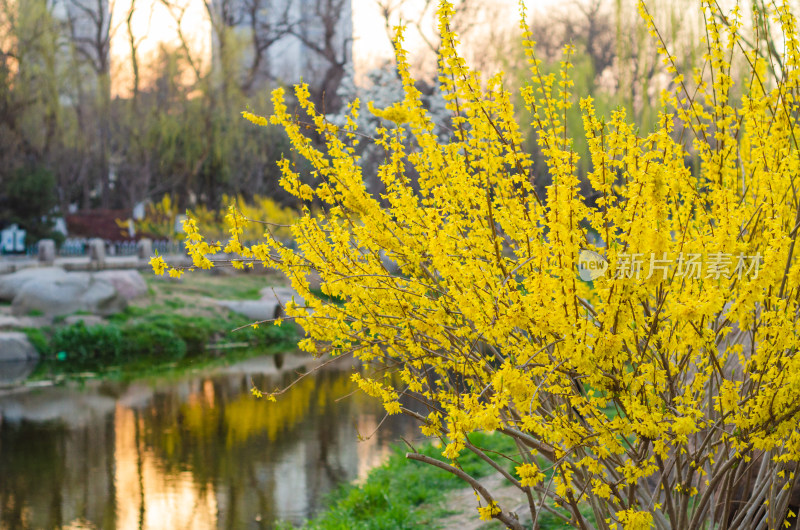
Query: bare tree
point(470, 20)
point(320, 29)
point(89, 25)
point(252, 27)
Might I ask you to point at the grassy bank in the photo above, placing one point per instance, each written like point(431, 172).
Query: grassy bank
point(176, 323)
point(403, 494)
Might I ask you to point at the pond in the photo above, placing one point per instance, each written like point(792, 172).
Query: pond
point(195, 451)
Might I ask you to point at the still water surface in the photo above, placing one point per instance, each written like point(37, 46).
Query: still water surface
point(194, 452)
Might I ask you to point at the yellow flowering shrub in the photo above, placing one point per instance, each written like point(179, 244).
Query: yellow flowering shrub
point(664, 392)
point(158, 221)
point(255, 216)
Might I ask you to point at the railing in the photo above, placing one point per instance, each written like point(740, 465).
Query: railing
point(164, 247)
point(78, 247)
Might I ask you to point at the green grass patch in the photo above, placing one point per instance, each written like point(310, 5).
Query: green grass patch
point(404, 494)
point(177, 324)
point(240, 286)
point(38, 338)
point(151, 342)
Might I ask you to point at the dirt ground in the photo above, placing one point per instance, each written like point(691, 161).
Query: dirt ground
point(463, 505)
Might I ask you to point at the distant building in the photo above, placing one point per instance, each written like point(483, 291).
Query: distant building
point(88, 24)
point(301, 39)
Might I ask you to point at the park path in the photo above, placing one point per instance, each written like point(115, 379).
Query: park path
point(463, 505)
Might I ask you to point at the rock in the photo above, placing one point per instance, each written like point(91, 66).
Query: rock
point(144, 249)
point(281, 294)
point(15, 347)
point(62, 293)
point(314, 280)
point(47, 251)
point(128, 282)
point(9, 322)
point(73, 292)
point(97, 252)
point(13, 372)
point(253, 309)
point(10, 284)
point(389, 264)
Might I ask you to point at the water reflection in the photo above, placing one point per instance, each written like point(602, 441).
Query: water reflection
point(199, 452)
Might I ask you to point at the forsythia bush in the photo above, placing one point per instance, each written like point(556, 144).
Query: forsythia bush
point(160, 218)
point(252, 218)
point(664, 393)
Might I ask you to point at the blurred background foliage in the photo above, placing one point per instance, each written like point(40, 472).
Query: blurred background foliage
point(85, 137)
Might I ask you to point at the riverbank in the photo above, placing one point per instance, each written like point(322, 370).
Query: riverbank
point(177, 324)
point(405, 494)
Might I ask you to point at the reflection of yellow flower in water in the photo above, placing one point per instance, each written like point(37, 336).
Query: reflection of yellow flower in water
point(395, 113)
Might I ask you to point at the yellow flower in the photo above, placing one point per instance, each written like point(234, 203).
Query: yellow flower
point(158, 264)
point(486, 512)
point(175, 273)
point(395, 113)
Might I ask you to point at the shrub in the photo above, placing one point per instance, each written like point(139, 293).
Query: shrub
point(88, 346)
point(490, 326)
point(195, 332)
point(157, 340)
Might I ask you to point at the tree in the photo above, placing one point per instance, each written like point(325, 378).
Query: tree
point(669, 399)
point(89, 30)
point(171, 125)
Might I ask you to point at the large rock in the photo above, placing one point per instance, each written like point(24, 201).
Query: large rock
point(52, 291)
point(128, 282)
point(73, 292)
point(269, 307)
point(253, 309)
point(14, 372)
point(15, 347)
point(9, 322)
point(281, 294)
point(10, 284)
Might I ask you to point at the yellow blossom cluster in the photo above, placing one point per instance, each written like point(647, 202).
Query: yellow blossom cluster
point(648, 399)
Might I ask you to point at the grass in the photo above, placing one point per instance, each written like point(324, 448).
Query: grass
point(403, 494)
point(178, 323)
point(150, 343)
point(240, 286)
